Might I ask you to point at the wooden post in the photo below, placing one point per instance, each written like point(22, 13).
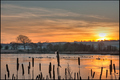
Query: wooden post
point(114, 68)
point(106, 73)
point(54, 72)
point(110, 68)
point(17, 67)
point(37, 78)
point(79, 65)
point(100, 76)
point(80, 78)
point(22, 70)
point(5, 76)
point(58, 59)
point(41, 76)
point(28, 70)
point(101, 70)
point(29, 65)
point(7, 70)
point(77, 76)
point(79, 61)
point(40, 66)
point(58, 73)
point(32, 62)
point(91, 72)
point(65, 73)
point(93, 75)
point(50, 70)
point(17, 64)
point(111, 65)
point(88, 77)
point(32, 68)
point(13, 77)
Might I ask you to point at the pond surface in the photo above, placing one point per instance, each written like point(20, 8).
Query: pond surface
point(87, 62)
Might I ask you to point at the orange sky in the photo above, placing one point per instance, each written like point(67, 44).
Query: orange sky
point(42, 24)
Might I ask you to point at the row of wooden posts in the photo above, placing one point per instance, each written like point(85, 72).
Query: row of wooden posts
point(67, 72)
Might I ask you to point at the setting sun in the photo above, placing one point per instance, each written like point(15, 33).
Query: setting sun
point(102, 34)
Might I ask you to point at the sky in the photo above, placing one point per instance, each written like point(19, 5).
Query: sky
point(59, 21)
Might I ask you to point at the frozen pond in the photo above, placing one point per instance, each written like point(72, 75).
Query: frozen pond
point(87, 62)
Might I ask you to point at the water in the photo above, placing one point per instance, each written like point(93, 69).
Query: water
point(87, 62)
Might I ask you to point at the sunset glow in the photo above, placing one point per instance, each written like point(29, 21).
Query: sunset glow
point(102, 34)
point(59, 21)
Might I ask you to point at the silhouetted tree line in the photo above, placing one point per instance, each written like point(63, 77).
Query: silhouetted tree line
point(72, 47)
point(80, 47)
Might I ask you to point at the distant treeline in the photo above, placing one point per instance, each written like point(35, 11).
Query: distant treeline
point(81, 47)
point(72, 47)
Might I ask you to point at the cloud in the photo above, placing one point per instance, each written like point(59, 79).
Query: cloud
point(43, 22)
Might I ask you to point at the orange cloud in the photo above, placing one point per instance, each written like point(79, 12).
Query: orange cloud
point(42, 24)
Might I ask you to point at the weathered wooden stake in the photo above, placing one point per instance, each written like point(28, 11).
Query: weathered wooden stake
point(111, 64)
point(93, 75)
point(65, 73)
point(17, 64)
point(88, 77)
point(110, 68)
point(54, 72)
point(17, 67)
point(100, 76)
point(29, 65)
point(78, 60)
point(22, 69)
point(106, 73)
point(80, 78)
point(41, 76)
point(5, 76)
point(58, 73)
point(91, 72)
point(7, 70)
point(58, 59)
point(32, 68)
point(101, 70)
point(37, 78)
point(114, 68)
point(28, 70)
point(77, 76)
point(50, 68)
point(40, 66)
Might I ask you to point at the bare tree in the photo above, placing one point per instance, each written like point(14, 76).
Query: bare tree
point(23, 39)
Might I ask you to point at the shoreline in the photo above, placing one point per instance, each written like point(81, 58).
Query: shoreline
point(52, 52)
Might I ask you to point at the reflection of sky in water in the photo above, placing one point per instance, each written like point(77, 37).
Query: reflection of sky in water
point(87, 62)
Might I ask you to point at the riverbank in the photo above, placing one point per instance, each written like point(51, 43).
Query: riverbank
point(52, 52)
